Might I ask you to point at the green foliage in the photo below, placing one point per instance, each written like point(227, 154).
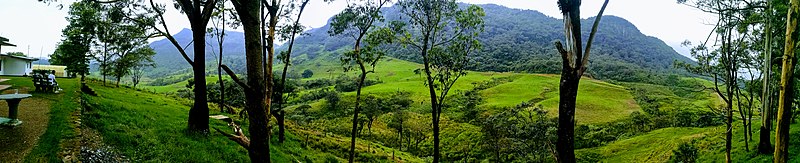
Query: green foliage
point(521, 133)
point(18, 54)
point(307, 73)
point(686, 153)
point(234, 95)
point(375, 106)
point(73, 51)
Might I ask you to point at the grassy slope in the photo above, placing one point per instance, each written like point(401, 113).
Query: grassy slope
point(657, 146)
point(151, 127)
point(598, 101)
point(179, 85)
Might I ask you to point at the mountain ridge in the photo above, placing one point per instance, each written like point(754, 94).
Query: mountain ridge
point(517, 40)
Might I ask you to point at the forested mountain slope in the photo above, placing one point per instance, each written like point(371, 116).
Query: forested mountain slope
point(514, 40)
point(522, 41)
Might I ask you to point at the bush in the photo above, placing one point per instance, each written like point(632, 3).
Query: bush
point(686, 153)
point(308, 73)
point(588, 157)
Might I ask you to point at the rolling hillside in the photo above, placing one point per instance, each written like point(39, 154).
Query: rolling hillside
point(514, 41)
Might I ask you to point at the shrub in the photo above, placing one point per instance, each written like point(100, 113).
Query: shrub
point(686, 153)
point(307, 73)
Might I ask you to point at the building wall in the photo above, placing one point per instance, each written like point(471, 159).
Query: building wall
point(15, 66)
point(60, 70)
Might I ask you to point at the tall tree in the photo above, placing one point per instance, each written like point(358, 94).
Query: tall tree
point(574, 61)
point(287, 32)
point(218, 20)
point(356, 21)
point(258, 87)
point(106, 38)
point(764, 144)
point(198, 12)
point(74, 50)
point(787, 84)
point(137, 71)
point(731, 52)
point(444, 34)
point(125, 39)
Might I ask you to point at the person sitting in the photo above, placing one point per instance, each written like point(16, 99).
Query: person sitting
point(52, 77)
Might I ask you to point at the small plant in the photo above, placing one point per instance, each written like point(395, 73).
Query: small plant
point(686, 153)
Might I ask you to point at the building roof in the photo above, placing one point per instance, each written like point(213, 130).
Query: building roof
point(4, 42)
point(20, 57)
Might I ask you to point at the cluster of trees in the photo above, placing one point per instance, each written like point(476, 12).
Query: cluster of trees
point(743, 39)
point(106, 33)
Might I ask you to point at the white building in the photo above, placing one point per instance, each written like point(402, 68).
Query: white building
point(16, 65)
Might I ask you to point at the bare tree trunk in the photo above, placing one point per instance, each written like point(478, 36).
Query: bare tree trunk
point(219, 68)
point(764, 145)
point(729, 131)
point(256, 88)
point(568, 93)
point(435, 106)
point(198, 114)
point(574, 64)
point(787, 85)
point(281, 114)
point(356, 110)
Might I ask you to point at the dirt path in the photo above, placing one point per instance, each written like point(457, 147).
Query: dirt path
point(17, 142)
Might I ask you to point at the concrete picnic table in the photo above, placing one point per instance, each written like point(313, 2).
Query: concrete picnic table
point(13, 106)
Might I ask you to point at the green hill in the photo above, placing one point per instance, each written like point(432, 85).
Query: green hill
point(514, 41)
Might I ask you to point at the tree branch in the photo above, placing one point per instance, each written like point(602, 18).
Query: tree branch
point(239, 138)
point(168, 35)
point(564, 54)
point(591, 38)
point(208, 10)
point(235, 78)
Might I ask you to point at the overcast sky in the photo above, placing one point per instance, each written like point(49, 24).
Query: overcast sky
point(35, 27)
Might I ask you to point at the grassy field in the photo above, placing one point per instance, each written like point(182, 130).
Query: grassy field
point(174, 87)
point(151, 127)
point(598, 101)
